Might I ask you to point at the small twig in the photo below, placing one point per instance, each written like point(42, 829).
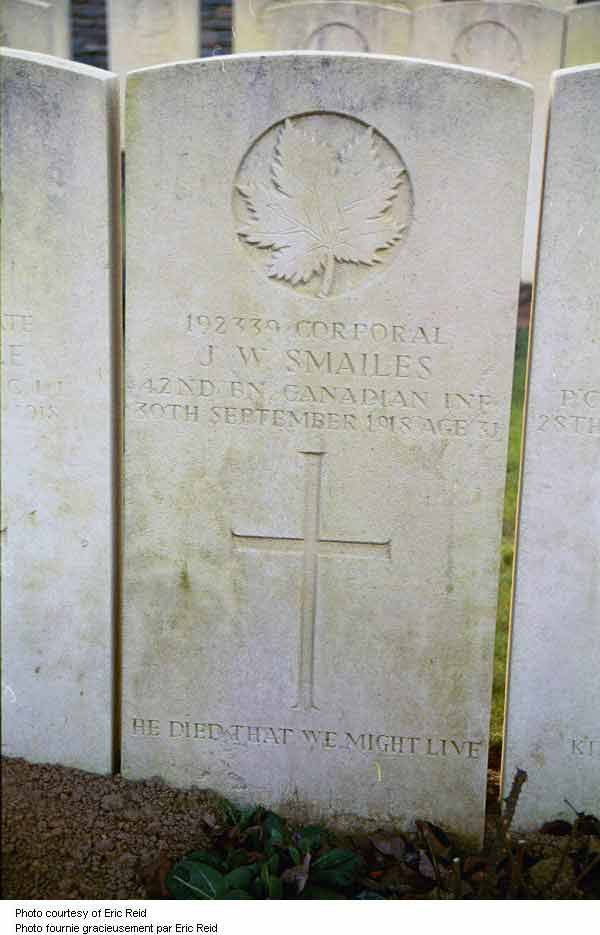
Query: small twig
point(513, 797)
point(503, 823)
point(516, 870)
point(438, 879)
point(563, 858)
point(456, 878)
point(593, 863)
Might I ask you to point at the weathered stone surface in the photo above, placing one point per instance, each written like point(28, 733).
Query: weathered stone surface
point(248, 35)
point(261, 25)
point(521, 40)
point(27, 24)
point(559, 5)
point(60, 293)
point(554, 689)
point(337, 26)
point(316, 442)
point(151, 32)
point(62, 27)
point(583, 34)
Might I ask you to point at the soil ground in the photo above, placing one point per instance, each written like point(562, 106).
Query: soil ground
point(67, 834)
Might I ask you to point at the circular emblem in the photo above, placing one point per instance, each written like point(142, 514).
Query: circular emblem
point(321, 201)
point(336, 36)
point(153, 17)
point(489, 45)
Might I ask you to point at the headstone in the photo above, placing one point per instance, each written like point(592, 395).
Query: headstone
point(559, 5)
point(583, 34)
point(552, 728)
point(60, 340)
point(27, 24)
point(151, 32)
point(272, 24)
point(322, 285)
point(520, 40)
point(247, 35)
point(337, 26)
point(62, 33)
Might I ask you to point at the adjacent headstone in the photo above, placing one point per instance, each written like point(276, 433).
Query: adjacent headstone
point(260, 25)
point(322, 285)
point(62, 32)
point(337, 26)
point(583, 34)
point(552, 728)
point(247, 35)
point(559, 5)
point(60, 284)
point(27, 24)
point(520, 40)
point(151, 32)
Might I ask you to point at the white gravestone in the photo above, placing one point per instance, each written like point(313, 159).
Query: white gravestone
point(151, 32)
point(28, 24)
point(62, 32)
point(560, 6)
point(583, 34)
point(247, 34)
point(520, 40)
point(552, 728)
point(60, 282)
point(341, 25)
point(337, 26)
point(322, 285)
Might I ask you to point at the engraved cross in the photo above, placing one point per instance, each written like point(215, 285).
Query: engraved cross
point(312, 548)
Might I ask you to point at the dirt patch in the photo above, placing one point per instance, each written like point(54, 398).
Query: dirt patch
point(67, 834)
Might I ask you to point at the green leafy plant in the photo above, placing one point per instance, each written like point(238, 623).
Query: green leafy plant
point(258, 856)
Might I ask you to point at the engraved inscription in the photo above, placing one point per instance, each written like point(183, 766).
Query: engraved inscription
point(312, 547)
point(25, 395)
point(577, 413)
point(343, 376)
point(336, 37)
point(585, 746)
point(490, 45)
point(320, 200)
point(353, 741)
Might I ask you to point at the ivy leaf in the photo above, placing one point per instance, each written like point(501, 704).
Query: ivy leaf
point(272, 830)
point(274, 888)
point(322, 207)
point(241, 877)
point(190, 880)
point(338, 867)
point(310, 839)
point(206, 857)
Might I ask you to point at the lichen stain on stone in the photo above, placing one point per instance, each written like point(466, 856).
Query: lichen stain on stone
point(538, 758)
point(184, 578)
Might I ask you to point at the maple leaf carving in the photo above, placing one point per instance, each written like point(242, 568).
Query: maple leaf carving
point(322, 207)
